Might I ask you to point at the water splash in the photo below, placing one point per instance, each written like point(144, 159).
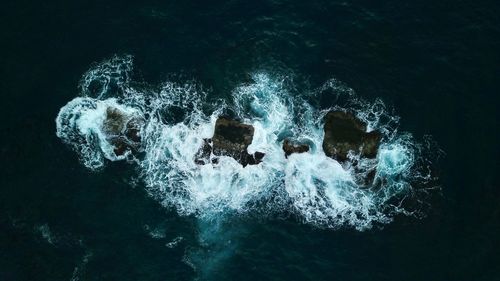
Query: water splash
point(317, 189)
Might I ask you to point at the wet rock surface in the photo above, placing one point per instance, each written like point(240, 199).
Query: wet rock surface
point(203, 155)
point(231, 138)
point(122, 131)
point(344, 132)
point(290, 147)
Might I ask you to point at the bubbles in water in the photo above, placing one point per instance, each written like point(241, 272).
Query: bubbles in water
point(312, 186)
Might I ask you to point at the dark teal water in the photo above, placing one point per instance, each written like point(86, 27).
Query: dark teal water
point(435, 63)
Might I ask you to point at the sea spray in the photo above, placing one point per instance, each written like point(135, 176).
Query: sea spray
point(178, 116)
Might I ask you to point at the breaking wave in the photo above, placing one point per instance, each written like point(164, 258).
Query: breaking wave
point(178, 116)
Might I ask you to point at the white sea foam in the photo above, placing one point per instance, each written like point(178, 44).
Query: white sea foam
point(80, 123)
point(174, 242)
point(319, 190)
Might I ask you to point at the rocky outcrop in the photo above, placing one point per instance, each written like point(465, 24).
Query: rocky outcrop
point(122, 130)
point(203, 155)
point(231, 138)
point(344, 132)
point(289, 147)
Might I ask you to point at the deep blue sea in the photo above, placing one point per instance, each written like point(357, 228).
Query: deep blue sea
point(426, 74)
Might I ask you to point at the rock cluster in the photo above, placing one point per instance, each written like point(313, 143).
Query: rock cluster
point(343, 133)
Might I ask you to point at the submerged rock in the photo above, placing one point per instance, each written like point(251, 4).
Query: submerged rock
point(289, 148)
point(122, 130)
point(231, 138)
point(344, 132)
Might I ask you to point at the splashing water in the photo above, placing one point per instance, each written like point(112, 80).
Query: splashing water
point(312, 186)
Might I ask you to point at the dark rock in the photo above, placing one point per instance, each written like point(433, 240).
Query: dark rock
point(344, 132)
point(231, 138)
point(258, 156)
point(133, 129)
point(289, 148)
point(203, 155)
point(254, 159)
point(115, 121)
point(122, 131)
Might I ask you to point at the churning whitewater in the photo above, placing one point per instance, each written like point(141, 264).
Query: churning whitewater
point(178, 117)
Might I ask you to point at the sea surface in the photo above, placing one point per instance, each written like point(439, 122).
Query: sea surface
point(425, 74)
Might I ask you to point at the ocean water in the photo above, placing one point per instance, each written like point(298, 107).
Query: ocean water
point(423, 74)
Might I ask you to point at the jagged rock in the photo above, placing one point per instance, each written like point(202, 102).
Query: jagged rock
point(122, 131)
point(289, 147)
point(344, 132)
point(133, 129)
point(115, 121)
point(231, 138)
point(252, 159)
point(203, 155)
